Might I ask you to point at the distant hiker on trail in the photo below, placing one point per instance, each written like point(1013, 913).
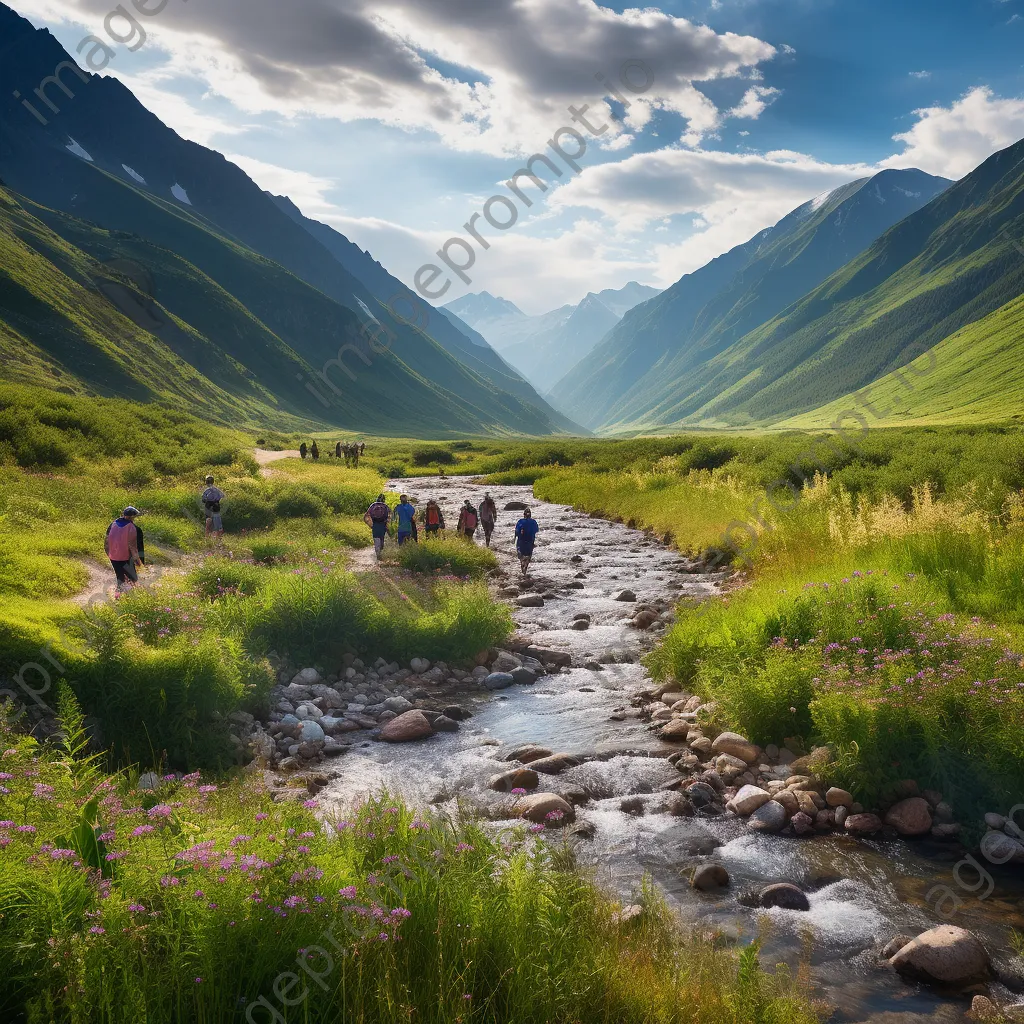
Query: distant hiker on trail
point(526, 536)
point(377, 517)
point(337, 450)
point(211, 499)
point(121, 545)
point(314, 451)
point(302, 450)
point(347, 452)
point(488, 517)
point(468, 518)
point(355, 456)
point(433, 518)
point(405, 516)
point(362, 447)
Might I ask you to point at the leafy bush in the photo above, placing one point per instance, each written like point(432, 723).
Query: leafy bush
point(432, 455)
point(446, 555)
point(216, 576)
point(299, 502)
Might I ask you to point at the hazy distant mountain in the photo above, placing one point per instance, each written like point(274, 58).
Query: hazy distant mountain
point(643, 371)
point(545, 347)
point(111, 165)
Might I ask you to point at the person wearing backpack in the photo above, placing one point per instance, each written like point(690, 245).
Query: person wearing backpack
point(121, 546)
point(488, 517)
point(405, 516)
point(468, 518)
point(314, 451)
point(211, 499)
point(526, 536)
point(377, 517)
point(302, 450)
point(433, 518)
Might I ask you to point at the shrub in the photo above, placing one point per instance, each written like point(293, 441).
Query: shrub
point(296, 501)
point(431, 455)
point(215, 576)
point(248, 509)
point(449, 556)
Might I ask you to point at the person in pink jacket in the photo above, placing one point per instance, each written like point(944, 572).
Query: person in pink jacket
point(121, 545)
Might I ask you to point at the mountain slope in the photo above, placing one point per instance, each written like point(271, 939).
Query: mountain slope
point(637, 374)
point(134, 175)
point(975, 375)
point(946, 266)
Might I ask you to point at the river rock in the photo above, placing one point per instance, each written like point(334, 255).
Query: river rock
point(633, 805)
point(862, 824)
point(709, 877)
point(675, 730)
point(553, 764)
point(311, 732)
point(735, 745)
point(530, 601)
point(996, 821)
point(838, 798)
point(580, 624)
point(910, 817)
point(524, 676)
point(517, 778)
point(999, 848)
point(894, 945)
point(413, 725)
point(702, 794)
point(841, 814)
point(769, 817)
point(747, 800)
point(444, 724)
point(788, 800)
point(306, 677)
point(498, 680)
point(643, 620)
point(515, 506)
point(784, 895)
point(505, 662)
point(802, 823)
point(945, 954)
point(526, 753)
point(701, 746)
point(419, 665)
point(537, 806)
point(398, 704)
point(150, 780)
point(625, 595)
point(678, 805)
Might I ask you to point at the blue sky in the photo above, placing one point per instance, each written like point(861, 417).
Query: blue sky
point(394, 120)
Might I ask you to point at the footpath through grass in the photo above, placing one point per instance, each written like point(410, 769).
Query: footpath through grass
point(890, 628)
point(198, 901)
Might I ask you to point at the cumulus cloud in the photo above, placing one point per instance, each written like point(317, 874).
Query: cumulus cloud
point(953, 140)
point(755, 101)
point(494, 77)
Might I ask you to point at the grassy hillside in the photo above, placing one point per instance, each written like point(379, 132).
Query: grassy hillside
point(949, 265)
point(974, 376)
point(644, 365)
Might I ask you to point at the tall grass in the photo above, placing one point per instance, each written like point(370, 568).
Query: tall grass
point(204, 902)
point(451, 556)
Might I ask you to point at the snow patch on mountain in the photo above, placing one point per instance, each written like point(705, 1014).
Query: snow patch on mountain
point(77, 150)
point(180, 194)
point(132, 173)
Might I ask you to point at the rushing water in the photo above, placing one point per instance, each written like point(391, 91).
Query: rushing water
point(861, 892)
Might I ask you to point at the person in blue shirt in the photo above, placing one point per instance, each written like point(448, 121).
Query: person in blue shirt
point(405, 515)
point(526, 536)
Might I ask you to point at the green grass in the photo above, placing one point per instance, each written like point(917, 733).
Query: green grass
point(449, 556)
point(193, 902)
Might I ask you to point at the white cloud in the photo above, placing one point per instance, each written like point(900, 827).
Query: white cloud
point(524, 61)
point(953, 140)
point(755, 101)
point(920, 74)
point(306, 190)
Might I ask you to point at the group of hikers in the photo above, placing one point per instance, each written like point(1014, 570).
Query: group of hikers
point(379, 516)
point(350, 452)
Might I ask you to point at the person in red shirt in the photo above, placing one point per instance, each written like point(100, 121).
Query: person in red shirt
point(121, 545)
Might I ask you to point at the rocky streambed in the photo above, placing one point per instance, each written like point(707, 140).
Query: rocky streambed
point(566, 729)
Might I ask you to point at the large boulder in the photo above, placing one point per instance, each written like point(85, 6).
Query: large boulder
point(517, 778)
point(506, 662)
point(862, 824)
point(946, 954)
point(311, 732)
point(523, 676)
point(498, 680)
point(835, 797)
point(546, 809)
point(769, 817)
point(747, 800)
point(413, 725)
point(515, 506)
point(676, 730)
point(554, 763)
point(527, 753)
point(709, 877)
point(784, 895)
point(910, 817)
point(999, 848)
point(735, 745)
point(530, 601)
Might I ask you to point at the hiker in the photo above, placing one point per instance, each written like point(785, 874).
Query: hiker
point(526, 536)
point(315, 452)
point(433, 518)
point(488, 516)
point(121, 546)
point(337, 450)
point(362, 447)
point(355, 456)
point(377, 517)
point(468, 518)
point(302, 450)
point(211, 499)
point(405, 516)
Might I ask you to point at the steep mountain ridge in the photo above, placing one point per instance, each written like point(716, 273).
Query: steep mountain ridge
point(637, 373)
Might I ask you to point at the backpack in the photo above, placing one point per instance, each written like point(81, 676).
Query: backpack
point(433, 515)
point(378, 511)
point(470, 520)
